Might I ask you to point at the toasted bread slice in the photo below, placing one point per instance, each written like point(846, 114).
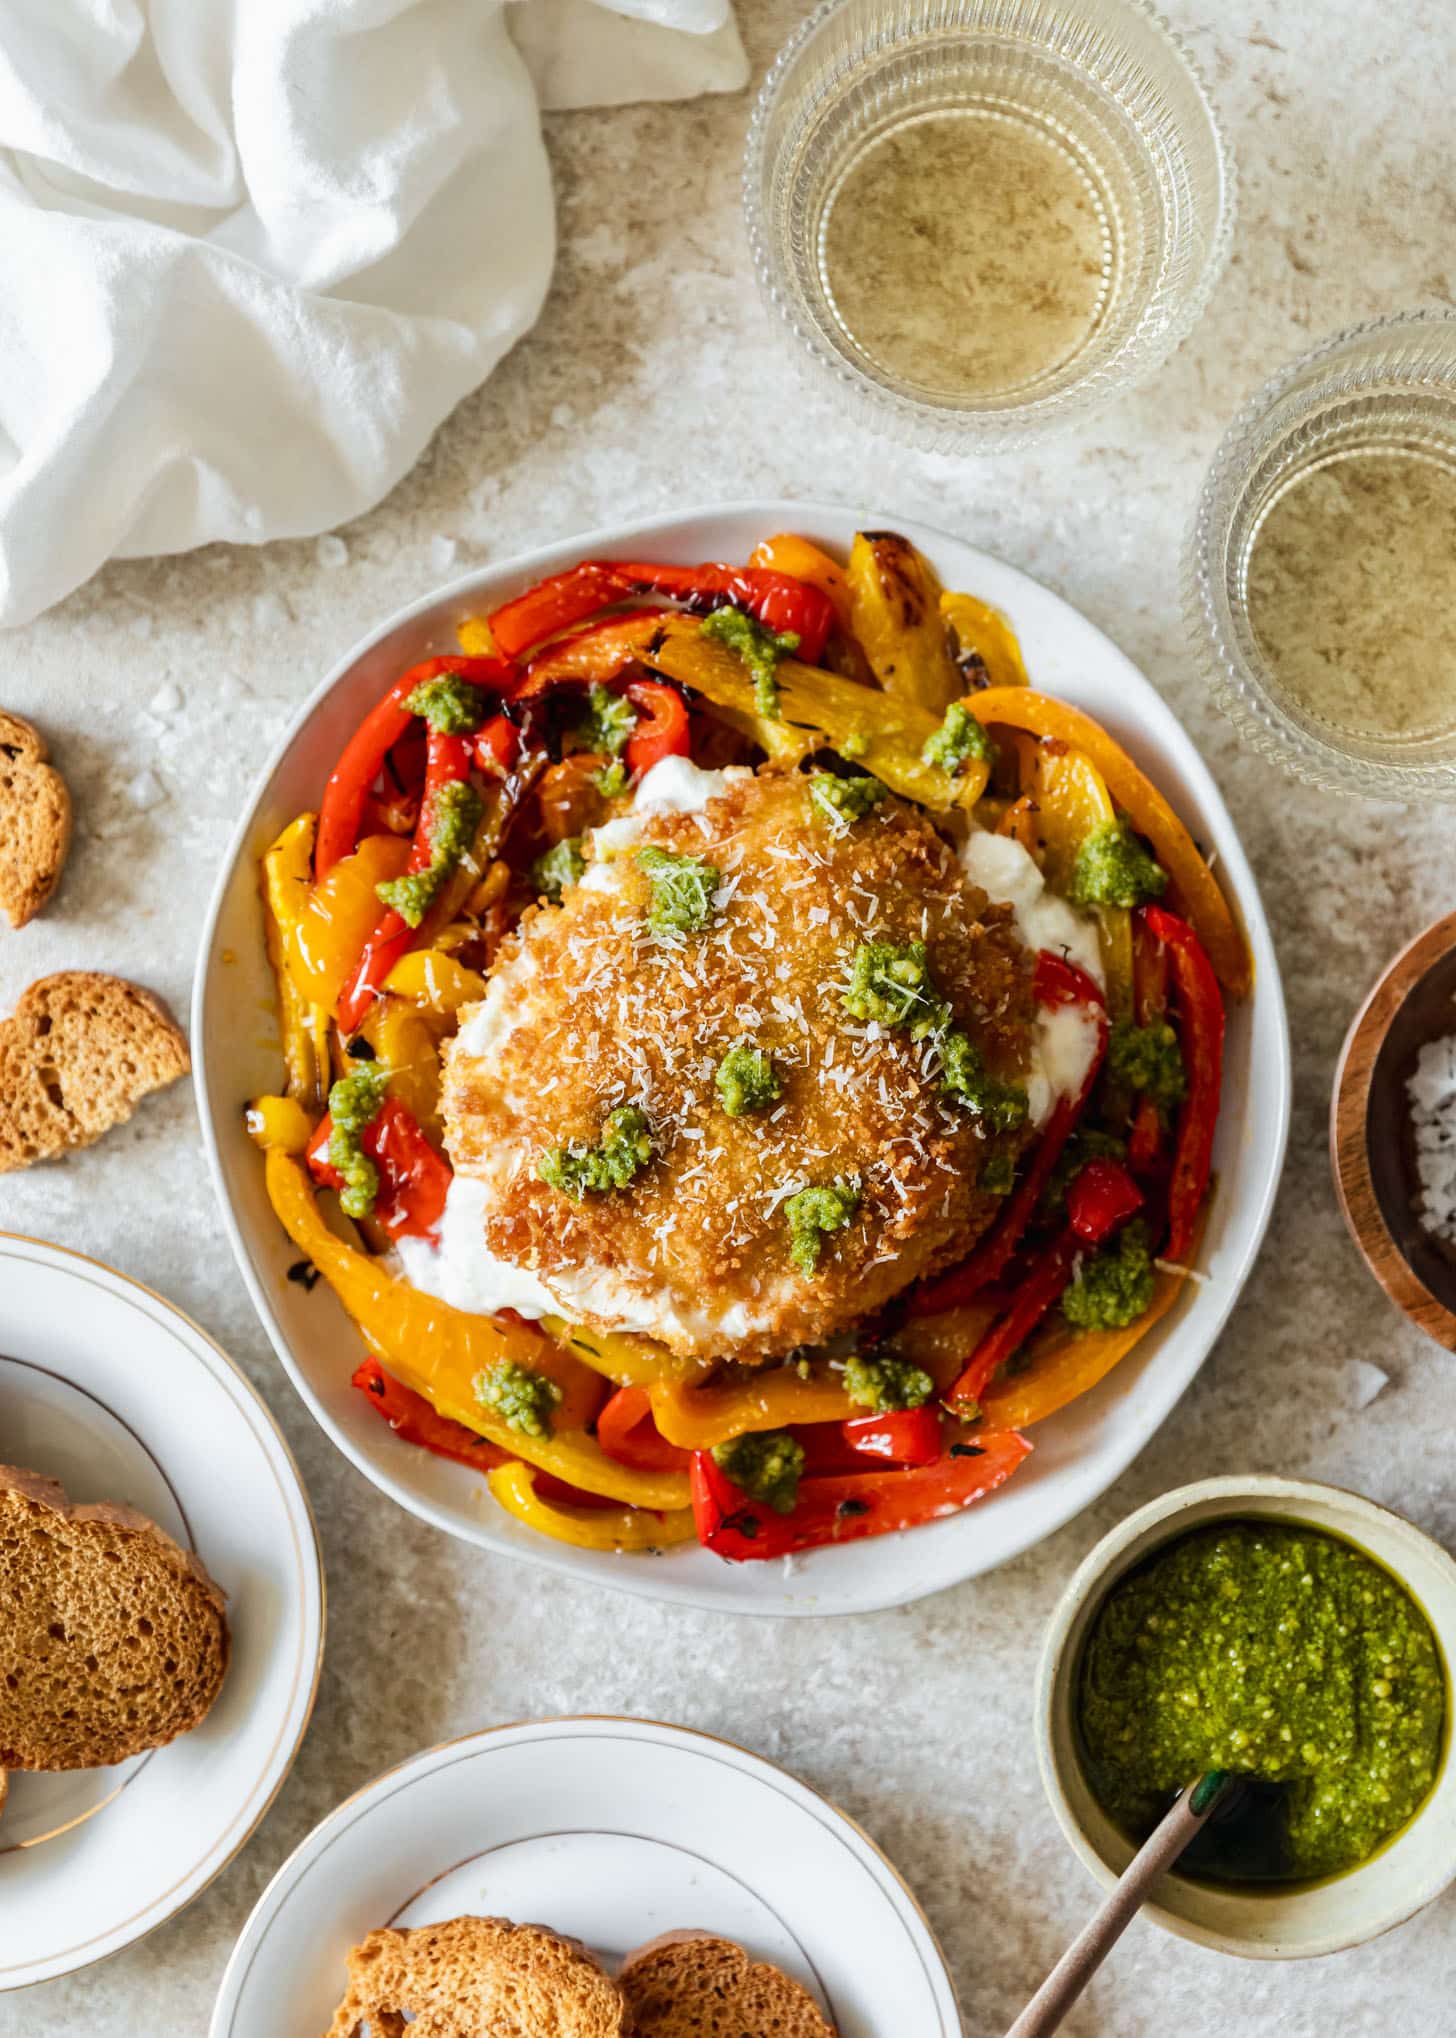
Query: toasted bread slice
point(478, 1978)
point(691, 1985)
point(79, 1055)
point(112, 1638)
point(35, 821)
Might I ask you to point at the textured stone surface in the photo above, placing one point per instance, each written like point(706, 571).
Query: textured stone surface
point(652, 381)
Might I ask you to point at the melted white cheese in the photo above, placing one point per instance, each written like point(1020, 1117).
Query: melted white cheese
point(1064, 1038)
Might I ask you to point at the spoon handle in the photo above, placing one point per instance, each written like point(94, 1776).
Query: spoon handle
point(1044, 2013)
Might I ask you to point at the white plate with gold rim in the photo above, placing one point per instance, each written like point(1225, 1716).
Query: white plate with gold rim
point(610, 1831)
point(104, 1386)
point(1078, 1452)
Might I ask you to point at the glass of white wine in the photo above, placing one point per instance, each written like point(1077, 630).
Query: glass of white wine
point(1320, 581)
point(982, 218)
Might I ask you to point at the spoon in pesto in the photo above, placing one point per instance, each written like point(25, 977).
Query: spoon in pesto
point(1187, 1813)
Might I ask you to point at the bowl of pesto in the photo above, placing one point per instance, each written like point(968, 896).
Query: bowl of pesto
point(1298, 1636)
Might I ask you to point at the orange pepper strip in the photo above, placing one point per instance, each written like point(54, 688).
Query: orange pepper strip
point(439, 1351)
point(1071, 1362)
point(588, 1528)
point(699, 1417)
point(803, 561)
point(1204, 904)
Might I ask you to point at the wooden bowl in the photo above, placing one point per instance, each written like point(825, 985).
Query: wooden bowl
point(1372, 1139)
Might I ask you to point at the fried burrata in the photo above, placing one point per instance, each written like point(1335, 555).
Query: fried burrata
point(597, 1005)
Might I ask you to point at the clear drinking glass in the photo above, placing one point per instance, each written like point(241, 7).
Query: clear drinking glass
point(1320, 577)
point(982, 218)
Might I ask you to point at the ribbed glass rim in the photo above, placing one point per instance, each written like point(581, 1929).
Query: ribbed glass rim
point(936, 428)
point(1233, 680)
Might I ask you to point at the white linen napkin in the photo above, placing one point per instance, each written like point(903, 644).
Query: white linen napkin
point(252, 252)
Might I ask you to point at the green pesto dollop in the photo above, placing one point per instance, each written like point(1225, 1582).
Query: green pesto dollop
point(1113, 869)
point(890, 984)
point(840, 802)
point(354, 1104)
point(1000, 1106)
point(1281, 1654)
point(522, 1399)
point(557, 868)
point(682, 891)
point(814, 1213)
point(456, 812)
point(449, 704)
point(1113, 1288)
point(886, 1384)
point(759, 647)
point(746, 1080)
point(623, 1151)
point(606, 723)
point(959, 739)
point(1146, 1060)
point(766, 1464)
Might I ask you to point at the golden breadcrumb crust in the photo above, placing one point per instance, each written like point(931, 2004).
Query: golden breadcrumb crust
point(591, 1010)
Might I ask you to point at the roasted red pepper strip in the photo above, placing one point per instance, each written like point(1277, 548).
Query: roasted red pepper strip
point(901, 1436)
point(845, 1509)
point(778, 601)
point(626, 1432)
point(1100, 1196)
point(1039, 1288)
point(662, 728)
point(1200, 1037)
point(555, 604)
point(1057, 982)
point(448, 759)
point(597, 653)
point(498, 746)
point(413, 1179)
point(342, 806)
point(411, 1417)
point(1094, 1212)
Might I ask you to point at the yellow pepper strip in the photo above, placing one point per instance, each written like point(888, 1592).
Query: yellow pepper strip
point(985, 631)
point(696, 1418)
point(439, 1351)
point(821, 710)
point(895, 613)
point(803, 561)
point(287, 886)
point(1199, 895)
point(406, 1041)
point(1071, 799)
point(472, 633)
point(629, 1361)
point(1069, 1362)
point(435, 981)
point(324, 939)
point(279, 1122)
point(587, 1528)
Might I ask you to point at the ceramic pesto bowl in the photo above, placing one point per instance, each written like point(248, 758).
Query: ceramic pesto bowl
point(1293, 1921)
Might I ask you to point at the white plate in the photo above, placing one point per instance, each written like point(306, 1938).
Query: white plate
point(611, 1831)
point(104, 1386)
point(1078, 1452)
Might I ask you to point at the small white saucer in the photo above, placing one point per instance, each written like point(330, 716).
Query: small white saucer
point(609, 1830)
point(104, 1387)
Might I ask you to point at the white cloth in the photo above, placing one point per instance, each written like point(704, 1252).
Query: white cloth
point(252, 252)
